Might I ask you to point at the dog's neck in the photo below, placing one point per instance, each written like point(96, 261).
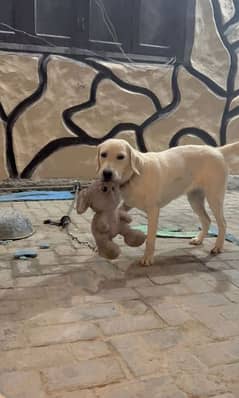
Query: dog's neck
point(127, 182)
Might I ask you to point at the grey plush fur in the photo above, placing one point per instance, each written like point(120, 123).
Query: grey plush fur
point(109, 219)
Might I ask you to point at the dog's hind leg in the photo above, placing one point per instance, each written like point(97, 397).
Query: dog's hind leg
point(197, 201)
point(216, 204)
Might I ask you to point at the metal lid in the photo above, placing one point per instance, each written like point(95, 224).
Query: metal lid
point(14, 225)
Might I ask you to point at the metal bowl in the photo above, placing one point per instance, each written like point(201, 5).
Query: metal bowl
point(14, 225)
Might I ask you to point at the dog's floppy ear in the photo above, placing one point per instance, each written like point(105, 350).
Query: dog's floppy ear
point(135, 160)
point(82, 203)
point(98, 159)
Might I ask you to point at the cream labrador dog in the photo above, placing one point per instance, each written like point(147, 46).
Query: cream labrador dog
point(149, 181)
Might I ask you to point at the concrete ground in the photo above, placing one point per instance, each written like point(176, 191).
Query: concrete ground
point(73, 325)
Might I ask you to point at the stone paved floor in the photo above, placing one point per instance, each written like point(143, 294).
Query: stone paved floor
point(77, 326)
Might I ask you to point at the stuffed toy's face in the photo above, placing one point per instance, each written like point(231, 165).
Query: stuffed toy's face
point(100, 196)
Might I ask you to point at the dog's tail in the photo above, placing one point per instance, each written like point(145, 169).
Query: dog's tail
point(230, 153)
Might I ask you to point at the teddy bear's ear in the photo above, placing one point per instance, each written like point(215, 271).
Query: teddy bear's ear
point(82, 203)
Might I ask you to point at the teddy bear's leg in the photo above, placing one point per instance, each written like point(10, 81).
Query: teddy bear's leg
point(107, 248)
point(132, 237)
point(124, 207)
point(111, 250)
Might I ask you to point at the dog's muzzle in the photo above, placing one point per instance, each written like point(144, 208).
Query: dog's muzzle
point(107, 175)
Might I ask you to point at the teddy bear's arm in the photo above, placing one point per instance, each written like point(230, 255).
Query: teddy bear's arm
point(124, 216)
point(124, 207)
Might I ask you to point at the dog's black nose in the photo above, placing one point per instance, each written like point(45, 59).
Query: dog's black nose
point(107, 174)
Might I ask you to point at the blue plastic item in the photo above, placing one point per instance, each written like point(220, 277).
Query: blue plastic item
point(213, 231)
point(29, 253)
point(36, 195)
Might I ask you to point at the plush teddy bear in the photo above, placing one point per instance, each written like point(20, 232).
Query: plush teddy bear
point(109, 220)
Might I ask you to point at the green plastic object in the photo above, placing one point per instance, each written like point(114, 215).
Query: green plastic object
point(174, 232)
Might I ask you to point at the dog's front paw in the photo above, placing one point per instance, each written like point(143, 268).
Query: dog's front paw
point(195, 241)
point(146, 260)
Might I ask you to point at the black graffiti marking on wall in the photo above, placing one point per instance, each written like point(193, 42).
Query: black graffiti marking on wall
point(82, 137)
point(3, 114)
point(230, 93)
point(11, 119)
point(226, 117)
point(167, 109)
point(213, 86)
point(106, 73)
point(234, 18)
point(203, 135)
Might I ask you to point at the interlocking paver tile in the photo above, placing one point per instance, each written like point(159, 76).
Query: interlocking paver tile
point(172, 314)
point(127, 324)
point(165, 290)
point(227, 373)
point(53, 334)
point(199, 385)
point(25, 384)
point(217, 353)
point(227, 395)
point(35, 357)
point(88, 350)
point(142, 351)
point(78, 394)
point(12, 335)
point(75, 314)
point(133, 307)
point(83, 374)
point(6, 280)
point(161, 387)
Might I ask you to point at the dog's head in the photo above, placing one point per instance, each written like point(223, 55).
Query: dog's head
point(117, 161)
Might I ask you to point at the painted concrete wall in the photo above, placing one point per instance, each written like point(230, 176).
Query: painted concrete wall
point(54, 110)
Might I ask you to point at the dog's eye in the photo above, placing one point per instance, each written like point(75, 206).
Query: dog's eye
point(113, 188)
point(104, 189)
point(120, 156)
point(103, 155)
